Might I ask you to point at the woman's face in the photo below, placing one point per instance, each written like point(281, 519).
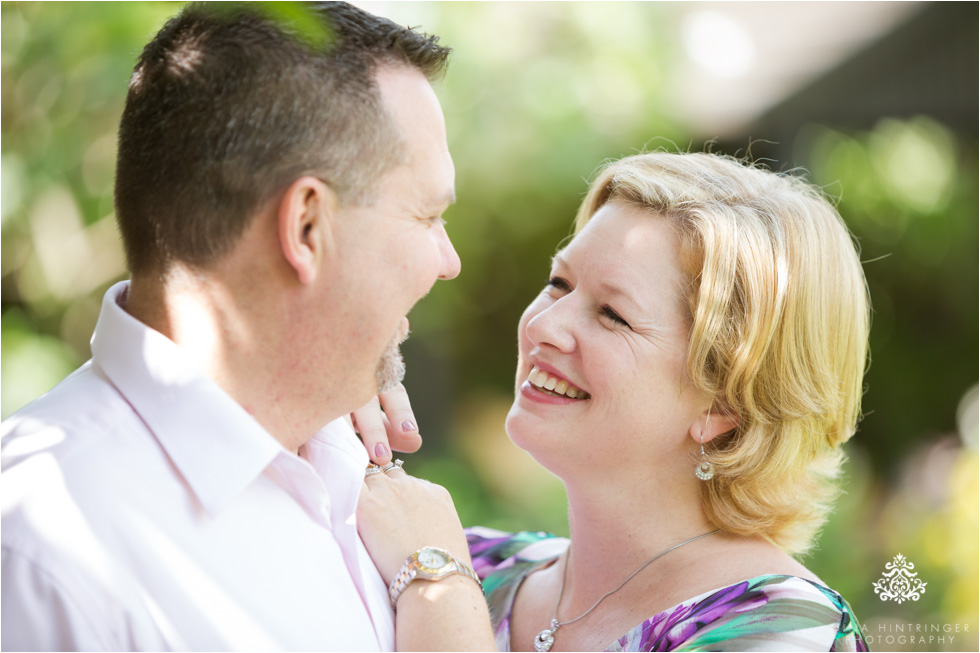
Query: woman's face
point(601, 373)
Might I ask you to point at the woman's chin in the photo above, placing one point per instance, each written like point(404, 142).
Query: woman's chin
point(529, 431)
point(512, 423)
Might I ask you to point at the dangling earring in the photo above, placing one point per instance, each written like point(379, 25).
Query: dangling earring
point(704, 470)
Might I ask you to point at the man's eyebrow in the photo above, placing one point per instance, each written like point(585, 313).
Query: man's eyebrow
point(444, 201)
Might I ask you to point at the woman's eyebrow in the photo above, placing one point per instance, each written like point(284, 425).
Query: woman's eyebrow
point(609, 289)
point(558, 261)
point(619, 293)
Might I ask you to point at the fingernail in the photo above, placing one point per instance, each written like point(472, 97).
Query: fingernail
point(408, 425)
point(380, 450)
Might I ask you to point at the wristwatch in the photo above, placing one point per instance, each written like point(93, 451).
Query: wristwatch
point(428, 563)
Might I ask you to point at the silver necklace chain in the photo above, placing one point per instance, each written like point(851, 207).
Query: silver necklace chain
point(544, 640)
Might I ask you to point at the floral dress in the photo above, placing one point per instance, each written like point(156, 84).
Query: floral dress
point(766, 613)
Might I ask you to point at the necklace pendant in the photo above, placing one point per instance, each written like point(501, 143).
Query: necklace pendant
point(546, 638)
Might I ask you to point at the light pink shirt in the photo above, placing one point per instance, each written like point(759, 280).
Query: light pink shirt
point(144, 509)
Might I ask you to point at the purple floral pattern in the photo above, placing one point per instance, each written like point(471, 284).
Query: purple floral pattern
point(777, 613)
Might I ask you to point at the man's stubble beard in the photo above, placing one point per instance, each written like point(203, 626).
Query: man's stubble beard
point(391, 366)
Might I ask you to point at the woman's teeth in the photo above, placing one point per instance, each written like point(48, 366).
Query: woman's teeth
point(555, 386)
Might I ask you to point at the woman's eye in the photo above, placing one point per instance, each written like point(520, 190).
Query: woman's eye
point(559, 284)
point(608, 312)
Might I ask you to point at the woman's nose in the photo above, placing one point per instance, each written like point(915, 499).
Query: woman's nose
point(552, 326)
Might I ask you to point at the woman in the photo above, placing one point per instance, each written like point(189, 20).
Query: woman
point(690, 372)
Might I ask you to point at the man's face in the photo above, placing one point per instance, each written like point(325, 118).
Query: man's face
point(392, 252)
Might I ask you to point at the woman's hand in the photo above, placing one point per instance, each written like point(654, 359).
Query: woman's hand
point(392, 429)
point(396, 516)
point(399, 514)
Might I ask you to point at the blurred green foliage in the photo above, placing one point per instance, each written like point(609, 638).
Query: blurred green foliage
point(537, 95)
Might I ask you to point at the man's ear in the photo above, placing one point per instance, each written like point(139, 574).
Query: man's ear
point(304, 225)
point(713, 422)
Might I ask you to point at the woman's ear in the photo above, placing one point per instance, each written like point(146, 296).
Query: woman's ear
point(713, 422)
point(305, 212)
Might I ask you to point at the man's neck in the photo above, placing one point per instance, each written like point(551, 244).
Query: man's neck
point(229, 341)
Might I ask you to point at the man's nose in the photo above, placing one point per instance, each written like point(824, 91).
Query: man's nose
point(450, 264)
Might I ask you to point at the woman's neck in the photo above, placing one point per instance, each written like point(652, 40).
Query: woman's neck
point(616, 528)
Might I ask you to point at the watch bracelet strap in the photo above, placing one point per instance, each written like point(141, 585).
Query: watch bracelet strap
point(464, 570)
point(408, 573)
point(404, 577)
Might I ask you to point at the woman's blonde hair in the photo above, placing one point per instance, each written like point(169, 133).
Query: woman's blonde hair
point(779, 314)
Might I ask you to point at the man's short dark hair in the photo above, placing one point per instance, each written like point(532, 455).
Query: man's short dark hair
point(229, 104)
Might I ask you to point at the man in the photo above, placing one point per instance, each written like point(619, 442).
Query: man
point(279, 192)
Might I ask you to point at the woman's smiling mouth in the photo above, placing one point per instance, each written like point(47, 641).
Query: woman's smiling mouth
point(552, 385)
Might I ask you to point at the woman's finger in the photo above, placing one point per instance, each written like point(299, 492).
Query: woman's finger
point(402, 427)
point(370, 425)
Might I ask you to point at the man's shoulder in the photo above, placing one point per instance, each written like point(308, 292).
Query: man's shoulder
point(60, 483)
point(68, 450)
point(83, 401)
point(80, 413)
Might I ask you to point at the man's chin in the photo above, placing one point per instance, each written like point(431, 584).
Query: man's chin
point(391, 367)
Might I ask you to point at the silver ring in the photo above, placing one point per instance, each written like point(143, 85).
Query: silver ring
point(390, 466)
point(373, 469)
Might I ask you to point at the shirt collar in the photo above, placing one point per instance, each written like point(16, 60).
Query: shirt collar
point(337, 454)
point(217, 447)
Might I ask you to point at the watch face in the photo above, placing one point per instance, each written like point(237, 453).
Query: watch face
point(433, 558)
